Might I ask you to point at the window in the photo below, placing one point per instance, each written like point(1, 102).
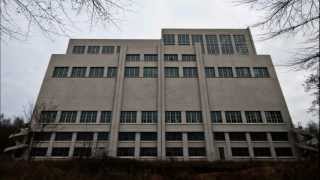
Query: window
point(216, 117)
point(105, 117)
point(210, 72)
point(219, 136)
point(195, 136)
point(190, 72)
point(212, 44)
point(173, 136)
point(78, 49)
point(133, 57)
point(124, 151)
point(128, 117)
point(88, 117)
point(183, 39)
point(68, 117)
point(168, 39)
point(174, 152)
point(78, 72)
point(41, 136)
point(197, 151)
point(103, 136)
point(279, 136)
point(82, 152)
point(225, 72)
point(112, 72)
point(148, 136)
point(253, 117)
point(118, 49)
point(38, 152)
point(93, 50)
point(258, 136)
point(59, 151)
point(273, 117)
point(226, 44)
point(261, 152)
point(151, 57)
point(261, 72)
point(197, 38)
point(131, 72)
point(221, 153)
point(283, 151)
point(171, 57)
point(240, 151)
point(60, 72)
point(149, 117)
point(233, 117)
point(127, 136)
point(84, 136)
point(107, 49)
point(193, 116)
point(63, 136)
point(237, 136)
point(148, 151)
point(48, 116)
point(243, 72)
point(96, 72)
point(171, 72)
point(173, 116)
point(150, 72)
point(240, 43)
point(188, 57)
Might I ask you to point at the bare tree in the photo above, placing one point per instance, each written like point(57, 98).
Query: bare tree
point(55, 17)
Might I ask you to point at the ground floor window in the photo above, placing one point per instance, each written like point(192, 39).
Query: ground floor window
point(59, 151)
point(148, 151)
point(261, 152)
point(240, 151)
point(197, 151)
point(125, 151)
point(174, 152)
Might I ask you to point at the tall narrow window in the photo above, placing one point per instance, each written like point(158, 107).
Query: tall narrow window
point(171, 72)
point(212, 44)
point(96, 72)
point(241, 45)
point(105, 117)
point(79, 72)
point(188, 57)
point(133, 57)
point(233, 117)
point(88, 117)
point(168, 39)
point(198, 38)
point(151, 57)
point(93, 50)
point(60, 72)
point(112, 72)
point(131, 72)
point(225, 72)
point(273, 117)
point(253, 117)
point(78, 49)
point(68, 117)
point(173, 116)
point(149, 117)
point(190, 72)
point(107, 49)
point(243, 72)
point(171, 57)
point(193, 116)
point(210, 72)
point(261, 72)
point(216, 117)
point(183, 39)
point(128, 117)
point(48, 116)
point(226, 44)
point(150, 72)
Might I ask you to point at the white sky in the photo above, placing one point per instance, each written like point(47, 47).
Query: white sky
point(23, 64)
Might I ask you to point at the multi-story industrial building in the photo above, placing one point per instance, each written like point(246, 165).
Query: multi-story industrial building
point(194, 94)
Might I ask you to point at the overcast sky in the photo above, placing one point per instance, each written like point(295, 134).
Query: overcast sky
point(23, 64)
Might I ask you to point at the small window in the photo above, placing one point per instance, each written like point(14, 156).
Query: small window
point(84, 136)
point(107, 49)
point(63, 136)
point(210, 72)
point(171, 57)
point(188, 57)
point(190, 72)
point(149, 117)
point(243, 72)
point(127, 136)
point(103, 136)
point(131, 72)
point(128, 117)
point(233, 117)
point(105, 117)
point(151, 57)
point(258, 136)
point(150, 72)
point(193, 116)
point(82, 152)
point(38, 151)
point(253, 116)
point(42, 136)
point(133, 57)
point(171, 72)
point(168, 39)
point(279, 136)
point(261, 72)
point(78, 49)
point(219, 136)
point(112, 72)
point(78, 72)
point(96, 72)
point(197, 151)
point(216, 117)
point(68, 117)
point(197, 38)
point(241, 45)
point(60, 72)
point(93, 50)
point(148, 136)
point(237, 136)
point(283, 152)
point(225, 72)
point(195, 136)
point(240, 151)
point(226, 44)
point(59, 151)
point(173, 116)
point(48, 117)
point(274, 117)
point(174, 152)
point(261, 152)
point(212, 44)
point(173, 136)
point(88, 117)
point(183, 39)
point(148, 151)
point(124, 151)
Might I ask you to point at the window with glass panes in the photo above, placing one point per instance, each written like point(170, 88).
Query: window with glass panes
point(133, 57)
point(107, 49)
point(216, 116)
point(241, 45)
point(197, 151)
point(174, 151)
point(149, 117)
point(128, 116)
point(190, 72)
point(78, 49)
point(78, 72)
point(84, 136)
point(82, 152)
point(151, 57)
point(253, 116)
point(210, 72)
point(260, 72)
point(131, 72)
point(63, 136)
point(198, 38)
point(188, 57)
point(171, 72)
point(60, 72)
point(112, 72)
point(261, 152)
point(195, 136)
point(68, 117)
point(127, 136)
point(38, 151)
point(148, 136)
point(183, 39)
point(60, 151)
point(148, 151)
point(212, 44)
point(173, 116)
point(240, 151)
point(93, 50)
point(226, 44)
point(258, 136)
point(96, 72)
point(273, 117)
point(219, 136)
point(88, 117)
point(194, 116)
point(168, 39)
point(283, 151)
point(105, 117)
point(233, 117)
point(125, 151)
point(103, 136)
point(237, 136)
point(279, 136)
point(243, 72)
point(42, 136)
point(48, 116)
point(150, 72)
point(173, 136)
point(171, 57)
point(225, 72)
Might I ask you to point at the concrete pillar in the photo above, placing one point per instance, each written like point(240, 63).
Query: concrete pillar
point(78, 116)
point(72, 144)
point(183, 117)
point(137, 145)
point(94, 144)
point(243, 117)
point(185, 146)
point(50, 145)
point(273, 152)
point(251, 154)
point(228, 147)
point(139, 114)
